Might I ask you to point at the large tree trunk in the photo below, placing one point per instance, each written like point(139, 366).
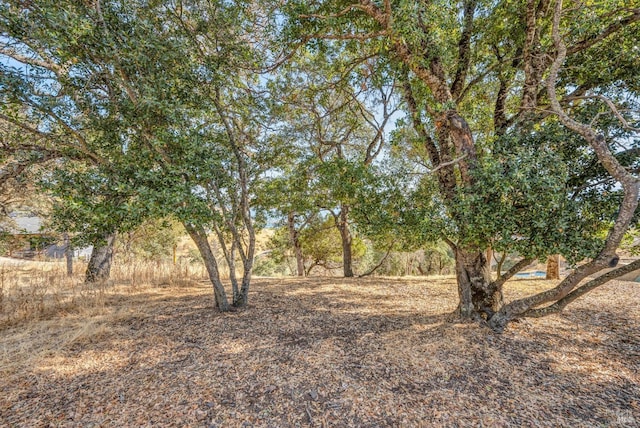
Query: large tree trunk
point(99, 267)
point(345, 235)
point(479, 296)
point(199, 237)
point(295, 243)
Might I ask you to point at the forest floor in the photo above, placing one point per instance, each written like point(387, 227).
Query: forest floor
point(326, 352)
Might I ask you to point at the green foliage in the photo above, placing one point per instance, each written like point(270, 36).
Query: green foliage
point(266, 265)
point(536, 188)
point(153, 240)
point(155, 109)
point(322, 245)
point(631, 242)
point(92, 205)
point(279, 258)
point(432, 259)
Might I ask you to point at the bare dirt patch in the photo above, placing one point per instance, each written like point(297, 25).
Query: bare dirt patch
point(324, 352)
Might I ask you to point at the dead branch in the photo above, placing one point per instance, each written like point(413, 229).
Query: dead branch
point(445, 164)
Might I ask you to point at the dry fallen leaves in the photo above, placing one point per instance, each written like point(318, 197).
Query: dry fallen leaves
point(324, 352)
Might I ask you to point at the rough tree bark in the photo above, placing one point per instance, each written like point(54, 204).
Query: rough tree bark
point(570, 288)
point(199, 237)
point(295, 243)
point(342, 223)
point(99, 267)
point(478, 295)
point(553, 267)
point(68, 254)
point(478, 298)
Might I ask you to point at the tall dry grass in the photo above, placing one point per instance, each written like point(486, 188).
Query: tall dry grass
point(142, 273)
point(41, 290)
point(43, 311)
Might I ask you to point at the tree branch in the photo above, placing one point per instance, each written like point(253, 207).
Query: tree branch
point(445, 164)
point(510, 273)
point(351, 36)
point(582, 290)
point(612, 28)
point(464, 49)
point(630, 185)
point(340, 14)
point(609, 104)
point(372, 270)
point(418, 124)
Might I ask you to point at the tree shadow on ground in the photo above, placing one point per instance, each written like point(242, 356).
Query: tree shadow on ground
point(344, 353)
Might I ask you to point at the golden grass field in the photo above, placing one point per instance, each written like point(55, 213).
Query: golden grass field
point(325, 352)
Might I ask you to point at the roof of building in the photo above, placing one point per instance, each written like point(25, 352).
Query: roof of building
point(28, 224)
point(24, 225)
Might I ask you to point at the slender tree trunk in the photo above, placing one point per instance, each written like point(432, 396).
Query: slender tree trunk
point(247, 258)
point(295, 243)
point(68, 254)
point(175, 259)
point(199, 237)
point(489, 259)
point(499, 265)
point(242, 299)
point(345, 235)
point(231, 263)
point(553, 267)
point(99, 267)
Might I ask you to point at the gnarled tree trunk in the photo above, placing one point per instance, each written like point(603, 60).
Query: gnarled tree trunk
point(479, 296)
point(99, 267)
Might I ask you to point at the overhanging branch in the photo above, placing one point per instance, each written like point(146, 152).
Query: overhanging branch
point(582, 290)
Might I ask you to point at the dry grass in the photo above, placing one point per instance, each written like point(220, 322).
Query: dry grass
point(32, 290)
point(323, 352)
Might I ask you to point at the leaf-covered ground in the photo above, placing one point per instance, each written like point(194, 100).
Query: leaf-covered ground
point(324, 352)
